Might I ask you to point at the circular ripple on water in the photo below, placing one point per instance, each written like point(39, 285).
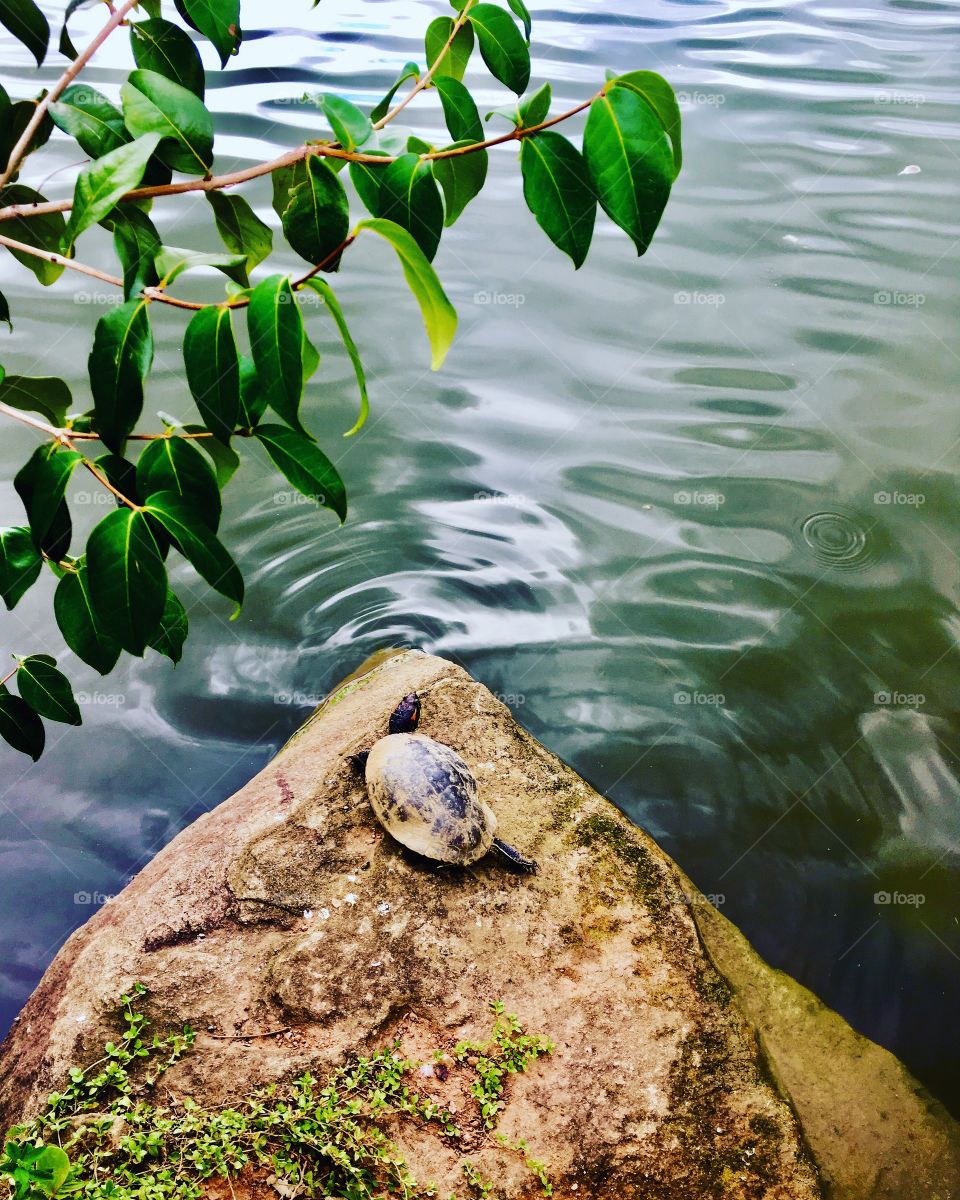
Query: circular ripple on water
point(838, 539)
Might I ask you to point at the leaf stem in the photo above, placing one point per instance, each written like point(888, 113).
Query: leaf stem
point(6, 679)
point(23, 143)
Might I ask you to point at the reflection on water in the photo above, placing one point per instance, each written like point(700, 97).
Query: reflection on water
point(695, 516)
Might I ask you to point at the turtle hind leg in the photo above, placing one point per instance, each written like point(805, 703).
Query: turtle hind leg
point(514, 857)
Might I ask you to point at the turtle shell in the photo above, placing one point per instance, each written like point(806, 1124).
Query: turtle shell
point(426, 797)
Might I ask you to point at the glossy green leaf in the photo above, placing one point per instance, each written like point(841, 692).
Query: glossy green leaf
point(20, 564)
point(172, 261)
point(128, 581)
point(459, 110)
point(5, 312)
point(630, 161)
point(226, 461)
point(284, 180)
point(253, 399)
point(523, 14)
point(559, 192)
point(242, 231)
point(154, 104)
point(532, 110)
point(20, 726)
point(196, 542)
point(27, 24)
point(41, 483)
point(366, 179)
point(102, 183)
point(662, 99)
point(350, 126)
point(174, 627)
point(45, 232)
point(217, 20)
point(310, 357)
point(161, 46)
point(66, 46)
point(174, 464)
point(317, 219)
point(43, 394)
point(410, 71)
point(324, 290)
point(409, 197)
point(501, 46)
point(439, 315)
point(122, 474)
point(453, 59)
point(118, 364)
point(13, 124)
point(461, 178)
point(47, 690)
point(82, 631)
point(213, 369)
point(137, 244)
point(275, 327)
point(303, 464)
point(90, 119)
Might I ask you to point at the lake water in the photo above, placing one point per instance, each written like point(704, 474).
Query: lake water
point(695, 516)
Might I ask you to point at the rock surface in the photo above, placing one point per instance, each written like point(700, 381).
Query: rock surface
point(289, 908)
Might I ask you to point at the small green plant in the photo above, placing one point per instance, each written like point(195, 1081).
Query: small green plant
point(108, 1135)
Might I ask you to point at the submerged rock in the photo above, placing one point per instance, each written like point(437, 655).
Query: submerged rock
point(289, 909)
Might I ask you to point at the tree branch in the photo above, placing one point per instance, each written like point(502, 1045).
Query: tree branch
point(117, 17)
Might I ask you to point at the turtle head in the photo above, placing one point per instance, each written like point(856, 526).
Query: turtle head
point(359, 761)
point(406, 716)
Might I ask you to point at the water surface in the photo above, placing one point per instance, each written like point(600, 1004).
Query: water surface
point(694, 516)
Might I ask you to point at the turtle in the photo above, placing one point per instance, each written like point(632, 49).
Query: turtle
point(425, 795)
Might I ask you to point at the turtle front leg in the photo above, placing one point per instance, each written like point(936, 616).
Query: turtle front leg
point(406, 716)
point(514, 857)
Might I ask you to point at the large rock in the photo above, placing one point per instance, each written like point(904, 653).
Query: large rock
point(288, 908)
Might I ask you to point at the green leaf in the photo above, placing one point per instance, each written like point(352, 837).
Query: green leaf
point(20, 726)
point(154, 104)
point(172, 261)
point(559, 192)
point(82, 631)
point(13, 123)
point(533, 110)
point(325, 291)
point(241, 229)
point(101, 184)
point(47, 690)
point(174, 464)
point(409, 197)
point(41, 483)
point(284, 180)
point(439, 316)
point(118, 364)
point(501, 46)
point(275, 327)
point(122, 474)
point(90, 119)
point(20, 564)
point(452, 61)
point(43, 394)
point(137, 244)
point(213, 370)
point(66, 46)
point(461, 178)
point(27, 24)
point(44, 232)
point(459, 110)
point(310, 357)
point(161, 46)
point(366, 179)
point(410, 71)
point(174, 627)
point(350, 126)
point(226, 461)
point(630, 161)
point(661, 98)
point(128, 581)
point(317, 219)
point(303, 463)
point(523, 13)
point(217, 20)
point(195, 541)
point(253, 400)
point(5, 312)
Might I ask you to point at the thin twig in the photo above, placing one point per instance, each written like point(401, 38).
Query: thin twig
point(242, 1037)
point(19, 150)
